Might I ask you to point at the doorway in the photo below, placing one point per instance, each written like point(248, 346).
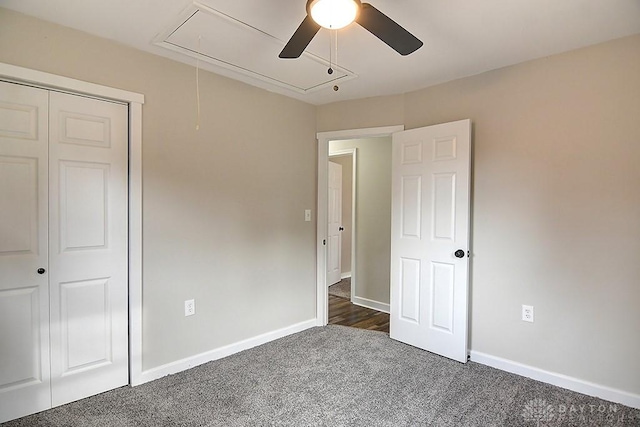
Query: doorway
point(340, 145)
point(365, 219)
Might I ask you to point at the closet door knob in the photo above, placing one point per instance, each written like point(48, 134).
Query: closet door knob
point(41, 271)
point(459, 253)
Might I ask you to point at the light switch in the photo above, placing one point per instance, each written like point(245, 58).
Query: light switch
point(307, 215)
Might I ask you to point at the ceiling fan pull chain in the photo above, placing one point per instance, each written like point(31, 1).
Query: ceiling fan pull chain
point(331, 32)
point(336, 55)
point(198, 85)
point(335, 87)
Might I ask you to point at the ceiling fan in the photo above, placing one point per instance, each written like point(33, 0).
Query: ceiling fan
point(336, 14)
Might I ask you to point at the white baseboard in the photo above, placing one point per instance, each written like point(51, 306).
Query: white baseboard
point(560, 380)
point(219, 353)
point(369, 303)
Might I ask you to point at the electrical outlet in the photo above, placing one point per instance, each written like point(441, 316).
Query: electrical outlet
point(189, 307)
point(527, 313)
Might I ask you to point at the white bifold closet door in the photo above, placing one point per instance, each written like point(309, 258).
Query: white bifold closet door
point(63, 248)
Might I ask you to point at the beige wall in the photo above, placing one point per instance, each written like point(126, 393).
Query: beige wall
point(346, 161)
point(223, 208)
point(556, 205)
point(373, 216)
point(362, 113)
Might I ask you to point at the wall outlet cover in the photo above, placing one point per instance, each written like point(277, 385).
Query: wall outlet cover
point(189, 307)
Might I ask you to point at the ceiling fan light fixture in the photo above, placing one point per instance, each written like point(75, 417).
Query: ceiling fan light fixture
point(336, 14)
point(333, 14)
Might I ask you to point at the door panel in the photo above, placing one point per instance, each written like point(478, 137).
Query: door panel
point(410, 206)
point(83, 205)
point(443, 206)
point(88, 246)
point(334, 258)
point(20, 308)
point(19, 192)
point(430, 221)
point(409, 290)
point(24, 294)
point(442, 308)
point(84, 129)
point(21, 112)
point(87, 337)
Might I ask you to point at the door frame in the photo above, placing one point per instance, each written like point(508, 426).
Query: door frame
point(322, 296)
point(134, 101)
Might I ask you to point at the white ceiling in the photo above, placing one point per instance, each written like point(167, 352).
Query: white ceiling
point(461, 38)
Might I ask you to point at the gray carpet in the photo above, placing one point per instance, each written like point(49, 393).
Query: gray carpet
point(338, 376)
point(341, 289)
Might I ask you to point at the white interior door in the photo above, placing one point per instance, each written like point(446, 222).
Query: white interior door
point(334, 255)
point(430, 238)
point(24, 294)
point(88, 246)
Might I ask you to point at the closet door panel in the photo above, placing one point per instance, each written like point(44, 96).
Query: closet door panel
point(88, 246)
point(24, 293)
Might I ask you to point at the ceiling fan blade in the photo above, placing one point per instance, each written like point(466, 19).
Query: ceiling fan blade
point(300, 39)
point(387, 30)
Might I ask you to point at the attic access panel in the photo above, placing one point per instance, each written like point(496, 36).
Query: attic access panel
point(224, 41)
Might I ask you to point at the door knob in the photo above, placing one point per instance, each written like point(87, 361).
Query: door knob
point(459, 253)
point(341, 229)
point(41, 271)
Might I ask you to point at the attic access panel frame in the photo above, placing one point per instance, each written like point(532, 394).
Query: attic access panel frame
point(303, 75)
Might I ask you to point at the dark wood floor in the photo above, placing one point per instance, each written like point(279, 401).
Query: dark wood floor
point(342, 312)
